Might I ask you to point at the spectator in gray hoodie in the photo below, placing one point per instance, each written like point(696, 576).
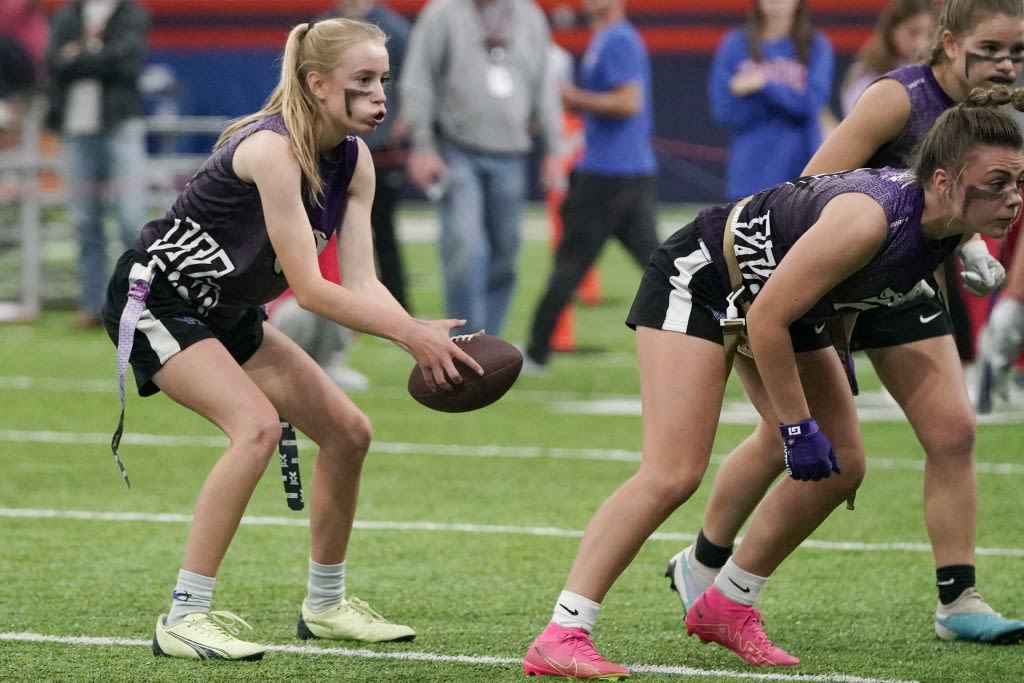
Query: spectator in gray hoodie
point(474, 91)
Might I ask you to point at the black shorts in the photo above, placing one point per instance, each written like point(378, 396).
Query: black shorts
point(917, 319)
point(168, 324)
point(680, 291)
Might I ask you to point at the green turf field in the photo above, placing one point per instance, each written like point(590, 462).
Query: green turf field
point(466, 528)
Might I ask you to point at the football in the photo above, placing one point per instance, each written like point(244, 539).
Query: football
point(501, 363)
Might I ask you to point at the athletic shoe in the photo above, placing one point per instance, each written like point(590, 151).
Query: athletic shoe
point(349, 379)
point(717, 619)
point(202, 635)
point(530, 366)
point(684, 580)
point(351, 619)
point(569, 653)
point(970, 618)
point(534, 368)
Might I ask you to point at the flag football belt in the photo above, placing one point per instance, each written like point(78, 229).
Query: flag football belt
point(139, 279)
point(734, 324)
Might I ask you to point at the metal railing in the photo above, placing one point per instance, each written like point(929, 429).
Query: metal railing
point(32, 218)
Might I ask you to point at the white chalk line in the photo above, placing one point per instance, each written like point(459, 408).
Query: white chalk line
point(477, 660)
point(464, 528)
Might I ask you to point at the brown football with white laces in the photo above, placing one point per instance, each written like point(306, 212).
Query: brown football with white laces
point(501, 362)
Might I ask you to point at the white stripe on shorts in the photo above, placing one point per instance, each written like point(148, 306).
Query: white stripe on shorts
point(163, 342)
point(680, 300)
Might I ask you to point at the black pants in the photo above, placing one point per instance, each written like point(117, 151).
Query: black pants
point(596, 207)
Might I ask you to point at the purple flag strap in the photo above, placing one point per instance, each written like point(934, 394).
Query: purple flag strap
point(138, 289)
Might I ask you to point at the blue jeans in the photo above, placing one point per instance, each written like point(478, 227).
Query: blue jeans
point(481, 225)
point(104, 168)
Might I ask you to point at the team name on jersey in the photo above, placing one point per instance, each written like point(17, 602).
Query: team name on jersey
point(193, 261)
point(755, 250)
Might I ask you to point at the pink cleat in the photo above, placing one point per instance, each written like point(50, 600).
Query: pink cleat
point(569, 653)
point(715, 618)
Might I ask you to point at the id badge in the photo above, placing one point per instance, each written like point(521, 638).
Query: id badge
point(499, 81)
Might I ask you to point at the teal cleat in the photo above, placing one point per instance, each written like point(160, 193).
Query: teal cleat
point(688, 582)
point(970, 618)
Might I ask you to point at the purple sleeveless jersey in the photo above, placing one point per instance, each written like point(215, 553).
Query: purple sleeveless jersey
point(212, 244)
point(774, 219)
point(927, 102)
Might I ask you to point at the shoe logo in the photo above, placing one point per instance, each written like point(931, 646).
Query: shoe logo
point(925, 319)
point(742, 588)
point(818, 328)
point(183, 596)
point(574, 612)
point(948, 582)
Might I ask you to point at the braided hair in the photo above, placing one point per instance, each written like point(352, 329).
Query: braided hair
point(977, 121)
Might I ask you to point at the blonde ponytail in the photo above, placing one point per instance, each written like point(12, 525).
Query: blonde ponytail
point(311, 47)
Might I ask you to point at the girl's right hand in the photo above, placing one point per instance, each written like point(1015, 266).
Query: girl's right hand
point(809, 454)
point(431, 345)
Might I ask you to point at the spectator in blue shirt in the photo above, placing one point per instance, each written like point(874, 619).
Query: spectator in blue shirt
point(769, 83)
point(612, 188)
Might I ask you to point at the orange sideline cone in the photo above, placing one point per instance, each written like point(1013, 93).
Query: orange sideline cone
point(563, 338)
point(589, 291)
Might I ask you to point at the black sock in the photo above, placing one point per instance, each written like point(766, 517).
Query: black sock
point(709, 554)
point(953, 580)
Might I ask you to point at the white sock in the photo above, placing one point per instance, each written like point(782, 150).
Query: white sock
point(576, 611)
point(192, 593)
point(738, 585)
point(325, 586)
point(704, 575)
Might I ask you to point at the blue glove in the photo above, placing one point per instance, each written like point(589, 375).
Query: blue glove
point(809, 454)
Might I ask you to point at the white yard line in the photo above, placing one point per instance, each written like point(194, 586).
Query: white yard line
point(434, 449)
point(872, 406)
point(421, 526)
point(471, 660)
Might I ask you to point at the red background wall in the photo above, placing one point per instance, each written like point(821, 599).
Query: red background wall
point(224, 54)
